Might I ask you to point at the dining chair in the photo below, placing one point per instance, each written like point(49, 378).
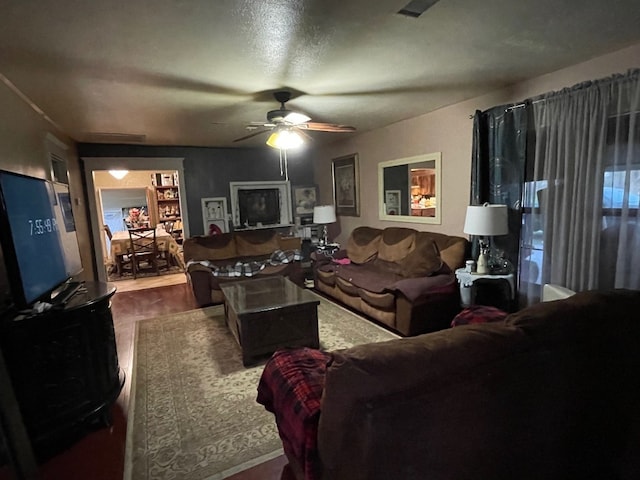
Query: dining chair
point(108, 261)
point(144, 250)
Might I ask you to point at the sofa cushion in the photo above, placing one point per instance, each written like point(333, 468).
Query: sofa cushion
point(369, 276)
point(362, 245)
point(383, 301)
point(453, 250)
point(210, 247)
point(423, 260)
point(256, 242)
point(396, 243)
point(347, 287)
point(327, 274)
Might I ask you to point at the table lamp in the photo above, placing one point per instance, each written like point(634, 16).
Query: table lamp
point(486, 221)
point(323, 215)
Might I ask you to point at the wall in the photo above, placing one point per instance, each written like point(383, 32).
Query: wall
point(208, 171)
point(23, 149)
point(448, 130)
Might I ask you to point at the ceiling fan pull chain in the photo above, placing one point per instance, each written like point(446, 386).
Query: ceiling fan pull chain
point(286, 166)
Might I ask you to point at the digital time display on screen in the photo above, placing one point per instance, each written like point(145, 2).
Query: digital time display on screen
point(42, 226)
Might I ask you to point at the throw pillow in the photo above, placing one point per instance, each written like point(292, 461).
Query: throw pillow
point(478, 314)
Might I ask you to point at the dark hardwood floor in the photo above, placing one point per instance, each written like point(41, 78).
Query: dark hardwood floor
point(100, 454)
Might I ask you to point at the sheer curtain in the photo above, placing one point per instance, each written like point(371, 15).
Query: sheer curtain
point(581, 196)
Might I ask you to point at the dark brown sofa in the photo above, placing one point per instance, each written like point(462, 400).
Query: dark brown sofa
point(550, 392)
point(205, 253)
point(401, 277)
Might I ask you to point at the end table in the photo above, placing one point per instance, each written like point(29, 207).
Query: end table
point(467, 279)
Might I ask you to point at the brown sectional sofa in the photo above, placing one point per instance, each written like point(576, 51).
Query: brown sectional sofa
point(224, 251)
point(551, 391)
point(400, 277)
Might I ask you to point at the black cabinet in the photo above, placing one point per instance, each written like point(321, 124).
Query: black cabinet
point(63, 365)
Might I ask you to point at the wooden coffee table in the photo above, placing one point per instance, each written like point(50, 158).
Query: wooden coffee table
point(268, 313)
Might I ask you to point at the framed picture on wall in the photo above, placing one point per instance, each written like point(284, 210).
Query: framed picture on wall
point(214, 215)
point(392, 202)
point(304, 199)
point(346, 186)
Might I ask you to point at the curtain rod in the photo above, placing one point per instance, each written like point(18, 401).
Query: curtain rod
point(519, 105)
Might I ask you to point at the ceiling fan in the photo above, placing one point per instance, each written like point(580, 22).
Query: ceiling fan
point(288, 127)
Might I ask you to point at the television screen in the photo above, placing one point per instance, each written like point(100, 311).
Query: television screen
point(38, 236)
point(259, 206)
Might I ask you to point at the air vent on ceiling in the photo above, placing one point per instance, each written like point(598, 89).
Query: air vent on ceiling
point(102, 137)
point(415, 8)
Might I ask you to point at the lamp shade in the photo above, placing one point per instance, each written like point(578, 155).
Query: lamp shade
point(323, 214)
point(486, 220)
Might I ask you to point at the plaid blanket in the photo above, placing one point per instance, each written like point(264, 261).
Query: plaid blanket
point(291, 387)
point(248, 268)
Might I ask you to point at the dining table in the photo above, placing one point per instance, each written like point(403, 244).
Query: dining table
point(121, 246)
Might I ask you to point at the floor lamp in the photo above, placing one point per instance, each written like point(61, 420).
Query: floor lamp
point(486, 221)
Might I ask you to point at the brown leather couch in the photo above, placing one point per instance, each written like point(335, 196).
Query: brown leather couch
point(400, 277)
point(551, 391)
point(205, 253)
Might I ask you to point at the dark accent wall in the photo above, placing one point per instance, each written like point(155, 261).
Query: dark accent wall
point(208, 171)
point(397, 178)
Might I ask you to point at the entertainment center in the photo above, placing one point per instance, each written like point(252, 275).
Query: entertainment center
point(63, 365)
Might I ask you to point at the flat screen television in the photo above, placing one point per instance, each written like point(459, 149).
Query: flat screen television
point(260, 206)
point(38, 236)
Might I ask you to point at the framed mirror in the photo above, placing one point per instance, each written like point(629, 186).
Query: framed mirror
point(410, 189)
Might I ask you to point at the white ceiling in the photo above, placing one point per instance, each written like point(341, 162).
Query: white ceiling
point(184, 72)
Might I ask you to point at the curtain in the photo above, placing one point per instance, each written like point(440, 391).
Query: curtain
point(497, 175)
point(581, 195)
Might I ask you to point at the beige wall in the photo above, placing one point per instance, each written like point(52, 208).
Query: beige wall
point(448, 130)
point(23, 134)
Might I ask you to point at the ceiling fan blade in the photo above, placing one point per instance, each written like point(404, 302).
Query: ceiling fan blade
point(252, 134)
point(303, 133)
point(326, 127)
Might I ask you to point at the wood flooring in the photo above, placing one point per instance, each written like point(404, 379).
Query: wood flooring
point(100, 455)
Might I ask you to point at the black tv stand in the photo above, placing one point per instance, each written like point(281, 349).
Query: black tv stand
point(63, 365)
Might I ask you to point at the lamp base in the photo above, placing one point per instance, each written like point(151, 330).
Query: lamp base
point(482, 266)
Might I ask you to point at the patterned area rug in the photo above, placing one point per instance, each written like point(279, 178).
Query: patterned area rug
point(193, 413)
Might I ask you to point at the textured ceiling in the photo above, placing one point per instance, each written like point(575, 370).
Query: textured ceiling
point(195, 73)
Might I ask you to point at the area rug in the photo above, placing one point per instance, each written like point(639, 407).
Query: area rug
point(193, 413)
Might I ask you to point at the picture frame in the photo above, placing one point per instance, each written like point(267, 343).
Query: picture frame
point(392, 202)
point(305, 197)
point(346, 185)
point(214, 215)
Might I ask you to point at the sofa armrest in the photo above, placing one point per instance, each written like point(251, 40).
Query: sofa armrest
point(414, 288)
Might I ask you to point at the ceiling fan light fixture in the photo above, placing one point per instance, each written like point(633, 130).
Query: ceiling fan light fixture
point(119, 174)
point(285, 139)
point(295, 118)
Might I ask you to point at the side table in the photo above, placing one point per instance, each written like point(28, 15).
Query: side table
point(467, 288)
